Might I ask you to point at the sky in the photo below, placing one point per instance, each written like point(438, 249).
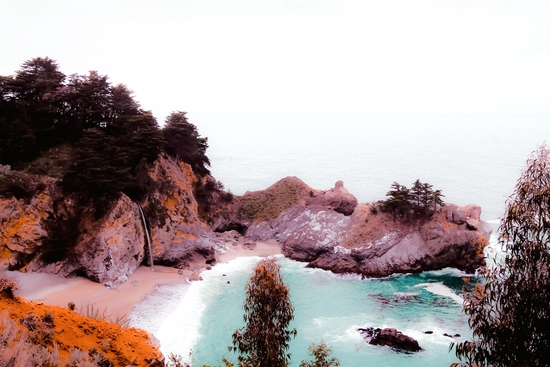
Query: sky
point(244, 58)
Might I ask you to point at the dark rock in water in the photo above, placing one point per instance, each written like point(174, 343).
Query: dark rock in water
point(390, 337)
point(428, 332)
point(452, 336)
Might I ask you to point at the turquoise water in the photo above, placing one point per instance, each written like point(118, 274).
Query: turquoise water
point(328, 308)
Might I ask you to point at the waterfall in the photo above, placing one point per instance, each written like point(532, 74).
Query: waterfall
point(147, 237)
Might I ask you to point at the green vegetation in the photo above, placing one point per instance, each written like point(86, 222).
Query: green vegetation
point(263, 342)
point(267, 312)
point(321, 354)
point(268, 204)
point(419, 202)
point(509, 313)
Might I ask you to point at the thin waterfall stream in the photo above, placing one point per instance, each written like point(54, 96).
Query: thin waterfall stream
point(147, 237)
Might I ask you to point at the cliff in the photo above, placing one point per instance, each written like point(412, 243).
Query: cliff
point(110, 248)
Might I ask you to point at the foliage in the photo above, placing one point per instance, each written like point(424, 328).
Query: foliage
point(321, 353)
point(62, 228)
point(203, 192)
point(509, 314)
point(263, 342)
point(268, 204)
point(20, 185)
point(183, 141)
point(419, 202)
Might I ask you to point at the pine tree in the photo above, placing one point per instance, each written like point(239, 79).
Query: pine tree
point(263, 342)
point(183, 141)
point(510, 313)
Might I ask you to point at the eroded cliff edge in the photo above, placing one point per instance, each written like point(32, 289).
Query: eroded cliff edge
point(326, 228)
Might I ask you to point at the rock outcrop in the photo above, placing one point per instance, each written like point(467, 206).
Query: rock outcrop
point(337, 199)
point(373, 244)
point(390, 337)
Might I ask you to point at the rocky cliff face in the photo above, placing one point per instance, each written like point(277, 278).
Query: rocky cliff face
point(22, 225)
point(112, 247)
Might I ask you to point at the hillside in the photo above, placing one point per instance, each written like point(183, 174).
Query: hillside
point(58, 336)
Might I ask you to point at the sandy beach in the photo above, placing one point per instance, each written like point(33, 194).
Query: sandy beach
point(118, 301)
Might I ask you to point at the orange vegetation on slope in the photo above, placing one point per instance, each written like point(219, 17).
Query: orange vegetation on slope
point(121, 346)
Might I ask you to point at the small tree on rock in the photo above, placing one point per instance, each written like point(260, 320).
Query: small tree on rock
point(263, 342)
point(510, 313)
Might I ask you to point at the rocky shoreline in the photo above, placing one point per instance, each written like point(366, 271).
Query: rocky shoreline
point(326, 228)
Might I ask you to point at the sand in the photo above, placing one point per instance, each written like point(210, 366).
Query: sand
point(118, 301)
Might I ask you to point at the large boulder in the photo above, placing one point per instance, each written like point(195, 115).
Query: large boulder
point(109, 249)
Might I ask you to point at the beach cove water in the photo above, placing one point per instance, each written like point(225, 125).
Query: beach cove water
point(472, 159)
point(328, 308)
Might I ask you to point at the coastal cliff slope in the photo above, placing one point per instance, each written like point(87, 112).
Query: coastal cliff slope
point(326, 228)
point(109, 248)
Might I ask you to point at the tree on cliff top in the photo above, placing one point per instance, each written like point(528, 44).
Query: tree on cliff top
point(420, 202)
point(263, 342)
point(183, 141)
point(510, 314)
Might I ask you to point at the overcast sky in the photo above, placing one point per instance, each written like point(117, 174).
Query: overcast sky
point(293, 57)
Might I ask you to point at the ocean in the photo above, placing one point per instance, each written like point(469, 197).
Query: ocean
point(472, 159)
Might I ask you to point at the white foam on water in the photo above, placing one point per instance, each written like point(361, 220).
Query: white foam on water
point(441, 289)
point(150, 313)
point(180, 330)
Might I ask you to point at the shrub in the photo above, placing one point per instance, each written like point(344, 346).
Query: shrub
point(20, 185)
point(8, 287)
point(321, 353)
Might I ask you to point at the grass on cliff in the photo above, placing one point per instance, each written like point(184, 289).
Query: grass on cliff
point(33, 334)
point(266, 205)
